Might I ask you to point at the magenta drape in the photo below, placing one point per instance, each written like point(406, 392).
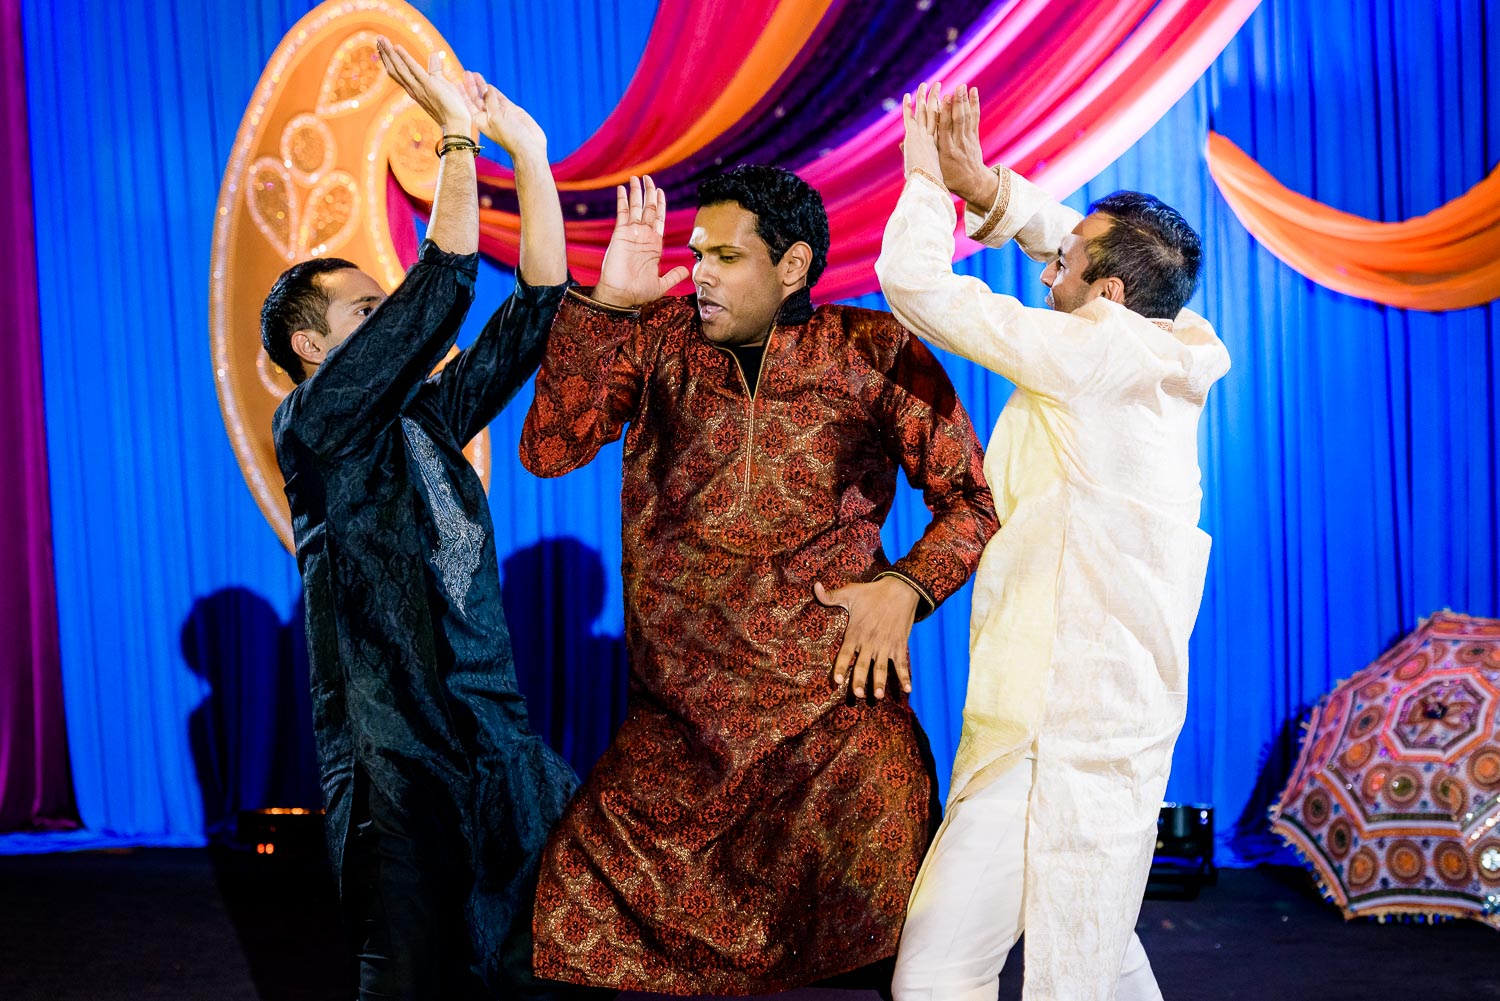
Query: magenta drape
point(36, 790)
point(1067, 88)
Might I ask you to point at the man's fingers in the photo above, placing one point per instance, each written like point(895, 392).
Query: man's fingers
point(903, 668)
point(844, 661)
point(860, 674)
point(388, 59)
point(494, 104)
point(661, 212)
point(974, 105)
point(648, 201)
point(833, 599)
point(622, 206)
point(402, 66)
point(882, 662)
point(635, 199)
point(673, 278)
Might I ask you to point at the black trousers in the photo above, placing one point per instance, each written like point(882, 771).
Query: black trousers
point(404, 898)
point(407, 880)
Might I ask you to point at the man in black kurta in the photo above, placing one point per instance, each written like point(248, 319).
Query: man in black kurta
point(439, 796)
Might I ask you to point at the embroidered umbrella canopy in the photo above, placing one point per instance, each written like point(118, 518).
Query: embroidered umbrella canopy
point(1395, 801)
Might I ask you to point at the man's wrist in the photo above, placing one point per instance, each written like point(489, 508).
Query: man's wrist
point(530, 161)
point(457, 125)
point(614, 298)
point(907, 587)
point(977, 187)
point(923, 603)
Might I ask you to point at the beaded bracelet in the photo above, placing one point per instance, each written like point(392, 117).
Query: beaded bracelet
point(451, 142)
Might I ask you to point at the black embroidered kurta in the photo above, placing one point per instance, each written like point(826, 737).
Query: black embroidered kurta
point(748, 830)
point(414, 689)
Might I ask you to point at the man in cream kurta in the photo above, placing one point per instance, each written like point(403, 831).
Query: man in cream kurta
point(1085, 599)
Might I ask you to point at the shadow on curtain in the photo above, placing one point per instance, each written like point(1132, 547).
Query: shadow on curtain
point(573, 677)
point(251, 738)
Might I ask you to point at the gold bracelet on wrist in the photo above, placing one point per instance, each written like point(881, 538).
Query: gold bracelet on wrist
point(449, 143)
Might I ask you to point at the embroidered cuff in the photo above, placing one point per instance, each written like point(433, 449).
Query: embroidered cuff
point(996, 214)
point(919, 172)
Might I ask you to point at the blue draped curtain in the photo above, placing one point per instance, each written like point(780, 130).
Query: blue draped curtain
point(1350, 457)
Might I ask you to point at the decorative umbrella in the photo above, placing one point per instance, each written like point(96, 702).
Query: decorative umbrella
point(1395, 801)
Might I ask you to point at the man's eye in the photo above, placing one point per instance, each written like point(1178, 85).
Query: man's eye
point(365, 310)
point(697, 256)
point(728, 258)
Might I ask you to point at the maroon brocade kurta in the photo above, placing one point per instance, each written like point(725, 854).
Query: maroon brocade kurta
point(748, 830)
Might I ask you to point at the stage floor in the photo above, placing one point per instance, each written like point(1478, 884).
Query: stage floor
point(195, 925)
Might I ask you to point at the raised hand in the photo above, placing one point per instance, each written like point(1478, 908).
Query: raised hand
point(881, 614)
point(502, 120)
point(959, 153)
point(920, 116)
point(631, 273)
point(433, 92)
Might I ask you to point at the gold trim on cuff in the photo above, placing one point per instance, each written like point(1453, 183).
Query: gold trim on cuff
point(918, 171)
point(996, 214)
point(602, 306)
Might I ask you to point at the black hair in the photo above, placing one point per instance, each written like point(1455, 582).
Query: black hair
point(787, 209)
point(296, 302)
point(1151, 248)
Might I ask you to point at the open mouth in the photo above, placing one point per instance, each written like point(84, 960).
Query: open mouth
point(708, 311)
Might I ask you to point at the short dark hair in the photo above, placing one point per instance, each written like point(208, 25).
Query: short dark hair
point(296, 302)
point(787, 209)
point(1151, 248)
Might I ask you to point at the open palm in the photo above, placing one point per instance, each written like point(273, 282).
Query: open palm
point(430, 88)
point(501, 119)
point(631, 274)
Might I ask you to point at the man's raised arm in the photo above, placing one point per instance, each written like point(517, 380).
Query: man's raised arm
point(477, 385)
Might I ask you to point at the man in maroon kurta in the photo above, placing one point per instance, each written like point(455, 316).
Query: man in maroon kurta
point(753, 826)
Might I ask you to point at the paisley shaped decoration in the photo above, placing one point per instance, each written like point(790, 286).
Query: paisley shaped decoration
point(308, 175)
point(354, 75)
point(330, 215)
point(272, 204)
point(308, 148)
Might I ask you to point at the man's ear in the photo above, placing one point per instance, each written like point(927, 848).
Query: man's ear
point(308, 346)
point(1114, 290)
point(795, 264)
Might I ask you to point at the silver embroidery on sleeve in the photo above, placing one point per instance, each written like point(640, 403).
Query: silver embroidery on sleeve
point(460, 540)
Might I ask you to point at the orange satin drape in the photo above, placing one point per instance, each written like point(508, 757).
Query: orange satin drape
point(1446, 259)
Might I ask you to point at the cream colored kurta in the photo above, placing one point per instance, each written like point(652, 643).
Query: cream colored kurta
point(1085, 599)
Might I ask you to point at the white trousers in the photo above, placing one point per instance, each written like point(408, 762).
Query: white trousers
point(969, 908)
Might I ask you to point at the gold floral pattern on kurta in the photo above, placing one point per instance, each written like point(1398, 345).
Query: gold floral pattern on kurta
point(748, 829)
